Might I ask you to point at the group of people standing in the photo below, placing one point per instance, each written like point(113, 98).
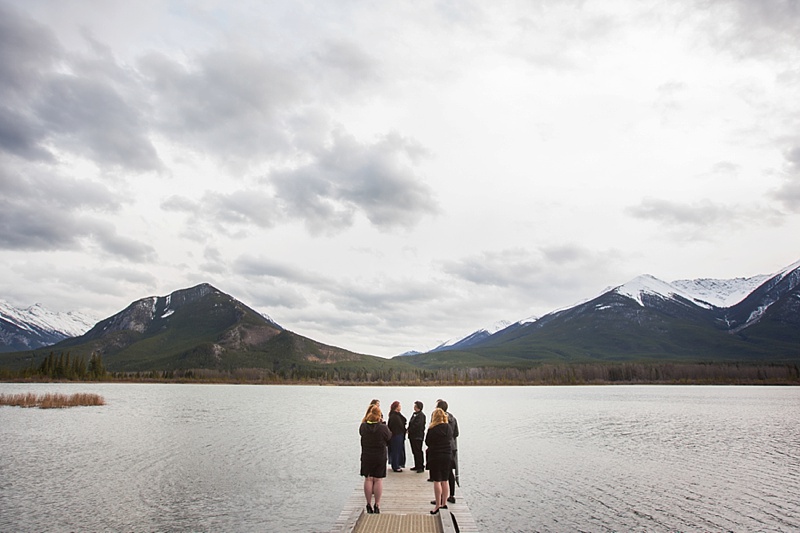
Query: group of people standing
point(384, 441)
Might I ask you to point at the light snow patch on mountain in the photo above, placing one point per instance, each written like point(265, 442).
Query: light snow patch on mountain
point(483, 333)
point(647, 284)
point(721, 292)
point(70, 324)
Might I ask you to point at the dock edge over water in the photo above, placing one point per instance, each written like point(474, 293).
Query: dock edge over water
point(405, 506)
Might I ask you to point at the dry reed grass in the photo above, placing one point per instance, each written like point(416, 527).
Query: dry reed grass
point(51, 400)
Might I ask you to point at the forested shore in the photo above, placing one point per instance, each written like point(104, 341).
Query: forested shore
point(57, 369)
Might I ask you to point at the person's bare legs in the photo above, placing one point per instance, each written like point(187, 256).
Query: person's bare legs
point(445, 493)
point(437, 494)
point(369, 485)
point(377, 490)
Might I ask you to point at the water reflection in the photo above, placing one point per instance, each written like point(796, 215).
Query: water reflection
point(267, 458)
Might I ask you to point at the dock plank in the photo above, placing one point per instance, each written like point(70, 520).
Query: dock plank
point(405, 507)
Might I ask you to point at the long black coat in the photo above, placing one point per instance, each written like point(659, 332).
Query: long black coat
point(397, 423)
point(438, 440)
point(416, 426)
point(374, 438)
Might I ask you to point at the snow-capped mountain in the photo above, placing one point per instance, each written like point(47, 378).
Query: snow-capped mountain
point(35, 326)
point(638, 288)
point(472, 338)
point(755, 316)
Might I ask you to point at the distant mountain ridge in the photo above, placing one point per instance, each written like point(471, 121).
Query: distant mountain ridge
point(35, 326)
point(647, 318)
point(743, 319)
point(198, 328)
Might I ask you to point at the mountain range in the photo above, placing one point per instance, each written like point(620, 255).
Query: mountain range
point(744, 319)
point(754, 319)
point(196, 328)
point(36, 327)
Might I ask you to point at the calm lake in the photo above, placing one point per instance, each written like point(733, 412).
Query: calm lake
point(285, 458)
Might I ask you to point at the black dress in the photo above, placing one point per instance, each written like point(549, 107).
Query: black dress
point(374, 438)
point(440, 454)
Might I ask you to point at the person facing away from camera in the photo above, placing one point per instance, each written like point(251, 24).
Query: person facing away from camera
point(375, 436)
point(440, 457)
point(451, 420)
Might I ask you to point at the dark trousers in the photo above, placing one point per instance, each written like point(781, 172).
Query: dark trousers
point(416, 449)
point(397, 453)
point(452, 479)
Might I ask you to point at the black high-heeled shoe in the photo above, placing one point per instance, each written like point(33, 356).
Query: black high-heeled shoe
point(376, 510)
point(369, 509)
point(435, 511)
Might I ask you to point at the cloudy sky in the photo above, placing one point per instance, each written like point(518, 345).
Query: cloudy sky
point(383, 176)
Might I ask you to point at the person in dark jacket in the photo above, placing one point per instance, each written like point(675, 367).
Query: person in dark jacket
point(397, 448)
point(375, 436)
point(416, 434)
point(440, 457)
point(451, 420)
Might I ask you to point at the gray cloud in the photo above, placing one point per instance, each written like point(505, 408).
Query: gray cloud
point(26, 50)
point(349, 177)
point(237, 105)
point(385, 294)
point(503, 268)
point(214, 261)
point(230, 102)
point(25, 227)
point(41, 211)
point(788, 194)
point(52, 98)
point(346, 66)
point(90, 117)
point(242, 207)
point(248, 265)
point(754, 27)
point(343, 180)
point(20, 135)
point(268, 296)
point(700, 214)
point(224, 211)
point(540, 273)
point(120, 245)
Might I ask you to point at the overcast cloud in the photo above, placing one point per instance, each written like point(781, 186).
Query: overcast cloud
point(386, 176)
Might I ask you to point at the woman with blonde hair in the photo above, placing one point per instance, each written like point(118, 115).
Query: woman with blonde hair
point(375, 436)
point(369, 408)
point(440, 455)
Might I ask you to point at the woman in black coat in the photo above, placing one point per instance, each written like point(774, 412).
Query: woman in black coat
point(397, 448)
point(374, 438)
point(440, 455)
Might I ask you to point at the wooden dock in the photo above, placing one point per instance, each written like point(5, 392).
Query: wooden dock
point(405, 508)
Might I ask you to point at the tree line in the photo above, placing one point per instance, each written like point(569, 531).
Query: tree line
point(65, 367)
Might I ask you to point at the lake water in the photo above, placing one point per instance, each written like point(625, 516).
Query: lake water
point(285, 458)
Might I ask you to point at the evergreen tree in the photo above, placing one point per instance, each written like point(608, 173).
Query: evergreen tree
point(96, 368)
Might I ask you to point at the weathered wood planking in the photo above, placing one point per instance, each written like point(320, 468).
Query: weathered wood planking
point(405, 507)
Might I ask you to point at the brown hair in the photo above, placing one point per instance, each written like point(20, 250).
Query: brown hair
point(372, 404)
point(395, 405)
point(374, 415)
